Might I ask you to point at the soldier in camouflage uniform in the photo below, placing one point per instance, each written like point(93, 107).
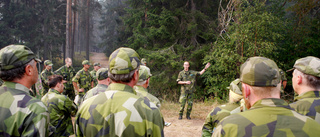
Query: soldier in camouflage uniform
point(21, 114)
point(96, 67)
point(283, 79)
point(67, 72)
point(44, 76)
point(103, 83)
point(118, 111)
point(144, 61)
point(268, 115)
point(187, 79)
point(60, 107)
point(142, 85)
point(220, 112)
point(306, 83)
point(84, 79)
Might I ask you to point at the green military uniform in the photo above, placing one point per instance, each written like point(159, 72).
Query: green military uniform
point(94, 91)
point(308, 104)
point(21, 114)
point(61, 108)
point(67, 73)
point(187, 89)
point(142, 92)
point(93, 75)
point(44, 79)
point(216, 115)
point(84, 79)
point(268, 117)
point(118, 112)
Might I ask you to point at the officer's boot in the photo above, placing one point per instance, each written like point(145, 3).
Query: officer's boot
point(188, 117)
point(180, 117)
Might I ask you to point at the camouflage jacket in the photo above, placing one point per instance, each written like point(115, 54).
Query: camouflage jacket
point(216, 115)
point(142, 92)
point(188, 76)
point(268, 117)
point(84, 79)
point(93, 75)
point(67, 73)
point(44, 77)
point(118, 112)
point(61, 108)
point(308, 104)
point(94, 91)
point(21, 114)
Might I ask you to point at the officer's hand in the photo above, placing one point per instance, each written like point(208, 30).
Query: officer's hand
point(188, 82)
point(81, 90)
point(207, 66)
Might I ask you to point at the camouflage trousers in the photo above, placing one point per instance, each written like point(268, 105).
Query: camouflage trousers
point(186, 97)
point(70, 93)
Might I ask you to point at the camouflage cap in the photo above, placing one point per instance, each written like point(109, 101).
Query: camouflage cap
point(97, 64)
point(144, 73)
point(86, 62)
point(260, 71)
point(143, 61)
point(123, 61)
point(309, 65)
point(283, 75)
point(48, 63)
point(102, 74)
point(14, 56)
point(235, 86)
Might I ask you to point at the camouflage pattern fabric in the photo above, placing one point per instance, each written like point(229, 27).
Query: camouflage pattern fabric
point(21, 114)
point(44, 78)
point(61, 108)
point(123, 61)
point(216, 115)
point(187, 90)
point(260, 71)
point(308, 104)
point(268, 117)
point(282, 78)
point(118, 112)
point(93, 75)
point(308, 65)
point(94, 91)
point(67, 73)
point(142, 92)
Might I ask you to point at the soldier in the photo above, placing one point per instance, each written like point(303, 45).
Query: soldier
point(20, 113)
point(142, 85)
point(118, 111)
point(45, 74)
point(187, 79)
point(84, 79)
point(283, 79)
point(268, 115)
point(144, 62)
point(68, 72)
point(60, 107)
point(103, 83)
point(96, 67)
point(220, 112)
point(306, 83)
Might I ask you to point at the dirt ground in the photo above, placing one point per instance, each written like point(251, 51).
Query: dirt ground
point(99, 57)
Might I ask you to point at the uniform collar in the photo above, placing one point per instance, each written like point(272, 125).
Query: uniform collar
point(54, 91)
point(16, 86)
point(309, 94)
point(102, 85)
point(121, 87)
point(270, 102)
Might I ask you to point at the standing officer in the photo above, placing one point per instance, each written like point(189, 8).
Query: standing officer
point(45, 74)
point(84, 79)
point(187, 79)
point(67, 72)
point(268, 115)
point(118, 111)
point(60, 107)
point(20, 113)
point(96, 67)
point(306, 83)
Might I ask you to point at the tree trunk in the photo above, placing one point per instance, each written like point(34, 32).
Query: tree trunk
point(87, 29)
point(193, 31)
point(68, 29)
point(73, 30)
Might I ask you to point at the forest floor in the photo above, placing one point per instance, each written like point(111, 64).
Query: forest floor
point(170, 112)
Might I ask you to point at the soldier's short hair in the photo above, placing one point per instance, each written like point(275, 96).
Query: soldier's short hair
point(54, 80)
point(311, 80)
point(122, 77)
point(15, 73)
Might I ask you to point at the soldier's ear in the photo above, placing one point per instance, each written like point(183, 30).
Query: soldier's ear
point(245, 90)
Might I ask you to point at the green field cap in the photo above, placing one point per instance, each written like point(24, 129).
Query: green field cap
point(123, 61)
point(86, 62)
point(102, 74)
point(309, 65)
point(97, 64)
point(144, 73)
point(143, 61)
point(48, 63)
point(260, 71)
point(235, 86)
point(14, 56)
